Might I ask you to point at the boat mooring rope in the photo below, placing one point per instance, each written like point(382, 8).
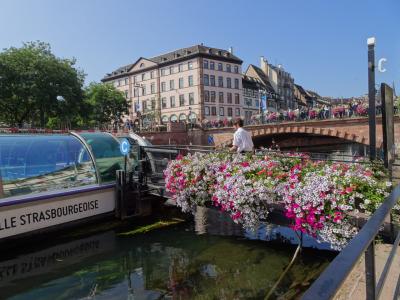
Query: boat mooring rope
point(285, 271)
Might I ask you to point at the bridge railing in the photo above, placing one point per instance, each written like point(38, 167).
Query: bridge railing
point(330, 281)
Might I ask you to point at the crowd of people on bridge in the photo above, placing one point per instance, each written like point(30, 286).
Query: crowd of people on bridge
point(320, 112)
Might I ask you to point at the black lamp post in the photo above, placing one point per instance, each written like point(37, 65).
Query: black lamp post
point(190, 119)
point(371, 98)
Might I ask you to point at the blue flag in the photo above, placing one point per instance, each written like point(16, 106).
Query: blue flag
point(210, 140)
point(263, 103)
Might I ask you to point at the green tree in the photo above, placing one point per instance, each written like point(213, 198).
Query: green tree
point(106, 104)
point(31, 79)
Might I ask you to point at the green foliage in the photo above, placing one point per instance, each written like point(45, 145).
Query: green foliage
point(31, 78)
point(105, 104)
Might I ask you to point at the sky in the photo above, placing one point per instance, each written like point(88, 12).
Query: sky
point(323, 44)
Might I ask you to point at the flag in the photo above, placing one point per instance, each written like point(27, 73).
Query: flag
point(210, 140)
point(263, 103)
point(138, 107)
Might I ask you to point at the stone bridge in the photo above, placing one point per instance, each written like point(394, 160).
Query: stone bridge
point(308, 133)
point(286, 134)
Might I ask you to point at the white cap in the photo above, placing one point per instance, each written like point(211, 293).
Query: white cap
point(371, 41)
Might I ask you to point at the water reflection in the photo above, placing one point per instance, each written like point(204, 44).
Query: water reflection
point(170, 263)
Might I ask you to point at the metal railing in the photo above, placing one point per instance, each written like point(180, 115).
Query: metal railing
point(331, 280)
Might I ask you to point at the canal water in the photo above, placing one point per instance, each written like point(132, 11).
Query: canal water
point(207, 257)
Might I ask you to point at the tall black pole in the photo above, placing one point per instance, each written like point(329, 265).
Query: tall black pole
point(371, 97)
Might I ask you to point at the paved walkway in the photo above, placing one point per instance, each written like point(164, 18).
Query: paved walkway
point(354, 286)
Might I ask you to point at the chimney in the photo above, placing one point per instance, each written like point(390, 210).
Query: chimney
point(230, 50)
point(264, 65)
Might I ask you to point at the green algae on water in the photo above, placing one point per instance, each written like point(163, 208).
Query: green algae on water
point(157, 225)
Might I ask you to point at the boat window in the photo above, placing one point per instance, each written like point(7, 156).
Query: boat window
point(39, 163)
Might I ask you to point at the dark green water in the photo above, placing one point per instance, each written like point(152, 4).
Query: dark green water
point(210, 258)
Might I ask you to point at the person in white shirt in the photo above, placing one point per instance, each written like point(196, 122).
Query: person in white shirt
point(242, 141)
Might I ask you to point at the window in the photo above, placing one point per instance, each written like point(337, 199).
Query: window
point(191, 98)
point(135, 92)
point(206, 80)
point(213, 111)
point(181, 83)
point(190, 65)
point(143, 76)
point(228, 68)
point(212, 96)
point(152, 74)
point(221, 111)
point(236, 83)
point(229, 98)
point(126, 81)
point(180, 67)
point(162, 72)
point(212, 65)
point(190, 79)
point(181, 100)
point(134, 79)
point(144, 105)
point(164, 102)
point(220, 81)
point(237, 100)
point(126, 94)
point(171, 84)
point(205, 64)
point(172, 101)
point(230, 113)
point(206, 96)
point(119, 82)
point(143, 90)
point(236, 69)
point(219, 67)
point(163, 86)
point(228, 83)
point(257, 103)
point(164, 119)
point(171, 70)
point(153, 104)
point(207, 110)
point(212, 80)
point(237, 112)
point(221, 97)
point(153, 88)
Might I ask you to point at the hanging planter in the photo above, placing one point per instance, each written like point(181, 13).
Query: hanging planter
point(319, 197)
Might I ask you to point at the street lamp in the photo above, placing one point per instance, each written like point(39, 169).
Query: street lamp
point(60, 100)
point(371, 97)
point(190, 118)
point(138, 87)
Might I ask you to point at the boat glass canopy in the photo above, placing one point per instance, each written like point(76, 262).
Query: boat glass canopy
point(31, 164)
point(39, 163)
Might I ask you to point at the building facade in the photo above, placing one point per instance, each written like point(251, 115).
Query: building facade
point(188, 85)
point(282, 82)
